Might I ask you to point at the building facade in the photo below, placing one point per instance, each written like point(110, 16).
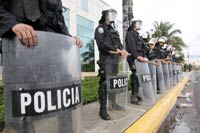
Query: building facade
point(81, 17)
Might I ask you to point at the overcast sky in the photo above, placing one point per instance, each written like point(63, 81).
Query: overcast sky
point(185, 14)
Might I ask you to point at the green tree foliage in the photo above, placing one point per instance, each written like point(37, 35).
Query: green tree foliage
point(167, 29)
point(88, 57)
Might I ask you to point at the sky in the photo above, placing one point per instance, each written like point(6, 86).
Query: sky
point(185, 14)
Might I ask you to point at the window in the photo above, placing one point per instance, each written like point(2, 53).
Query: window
point(85, 30)
point(66, 18)
point(84, 5)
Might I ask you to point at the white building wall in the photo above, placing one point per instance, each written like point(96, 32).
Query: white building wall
point(95, 8)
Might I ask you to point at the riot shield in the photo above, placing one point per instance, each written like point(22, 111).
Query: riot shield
point(117, 85)
point(152, 69)
point(175, 78)
point(160, 77)
point(42, 85)
point(166, 75)
point(179, 73)
point(145, 83)
point(171, 74)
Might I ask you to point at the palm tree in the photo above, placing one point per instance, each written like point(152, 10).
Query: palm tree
point(166, 29)
point(88, 57)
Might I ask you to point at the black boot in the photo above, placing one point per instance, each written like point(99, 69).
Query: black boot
point(2, 126)
point(104, 114)
point(113, 104)
point(103, 100)
point(134, 100)
point(139, 99)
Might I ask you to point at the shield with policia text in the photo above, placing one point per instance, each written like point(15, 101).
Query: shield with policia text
point(117, 84)
point(145, 82)
point(152, 69)
point(166, 75)
point(42, 85)
point(160, 77)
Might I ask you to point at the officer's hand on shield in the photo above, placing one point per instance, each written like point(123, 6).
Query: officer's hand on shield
point(79, 43)
point(142, 59)
point(26, 34)
point(123, 53)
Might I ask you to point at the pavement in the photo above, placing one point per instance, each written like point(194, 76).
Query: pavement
point(187, 119)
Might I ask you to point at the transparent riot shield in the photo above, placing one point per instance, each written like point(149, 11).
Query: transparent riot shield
point(42, 85)
point(166, 75)
point(152, 69)
point(175, 78)
point(117, 85)
point(179, 72)
point(145, 82)
point(171, 74)
point(160, 77)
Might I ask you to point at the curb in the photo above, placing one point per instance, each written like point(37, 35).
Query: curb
point(153, 118)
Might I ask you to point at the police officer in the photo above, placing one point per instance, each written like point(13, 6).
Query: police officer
point(23, 17)
point(108, 40)
point(161, 46)
point(135, 45)
point(146, 38)
point(152, 52)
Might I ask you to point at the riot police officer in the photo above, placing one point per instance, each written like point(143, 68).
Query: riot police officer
point(135, 45)
point(161, 46)
point(107, 39)
point(152, 52)
point(22, 17)
point(146, 38)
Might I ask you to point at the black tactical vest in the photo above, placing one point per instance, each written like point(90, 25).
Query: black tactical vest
point(33, 9)
point(28, 9)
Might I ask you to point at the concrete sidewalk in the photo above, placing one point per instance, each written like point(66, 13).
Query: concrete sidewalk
point(121, 120)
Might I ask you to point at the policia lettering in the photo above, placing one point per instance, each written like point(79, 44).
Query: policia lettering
point(37, 102)
point(117, 83)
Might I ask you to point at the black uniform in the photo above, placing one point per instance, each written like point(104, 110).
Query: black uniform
point(134, 45)
point(162, 53)
point(107, 40)
point(44, 15)
point(152, 54)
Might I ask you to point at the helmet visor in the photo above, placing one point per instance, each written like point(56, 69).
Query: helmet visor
point(111, 16)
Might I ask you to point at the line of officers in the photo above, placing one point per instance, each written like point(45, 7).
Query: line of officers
point(141, 48)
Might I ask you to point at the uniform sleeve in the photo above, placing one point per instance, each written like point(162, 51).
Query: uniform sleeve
point(131, 44)
point(7, 20)
point(119, 46)
point(103, 40)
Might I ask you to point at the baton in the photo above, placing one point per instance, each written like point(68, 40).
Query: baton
point(152, 63)
point(149, 62)
point(115, 52)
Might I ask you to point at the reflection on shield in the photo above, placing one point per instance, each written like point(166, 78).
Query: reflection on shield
point(117, 86)
point(42, 85)
point(171, 74)
point(152, 69)
point(175, 74)
point(160, 77)
point(166, 75)
point(146, 87)
point(179, 73)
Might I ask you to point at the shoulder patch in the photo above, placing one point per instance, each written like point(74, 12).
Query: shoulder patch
point(100, 30)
